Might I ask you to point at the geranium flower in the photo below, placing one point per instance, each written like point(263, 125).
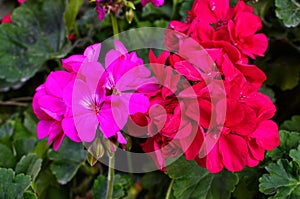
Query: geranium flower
point(105, 98)
point(216, 12)
point(6, 19)
point(52, 102)
point(50, 108)
point(215, 143)
point(215, 20)
point(242, 34)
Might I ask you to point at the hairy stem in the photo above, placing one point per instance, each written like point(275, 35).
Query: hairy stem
point(110, 177)
point(114, 24)
point(168, 195)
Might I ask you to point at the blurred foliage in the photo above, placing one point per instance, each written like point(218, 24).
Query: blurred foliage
point(196, 182)
point(32, 46)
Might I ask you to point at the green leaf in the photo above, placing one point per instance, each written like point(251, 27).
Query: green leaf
point(121, 184)
point(44, 181)
point(6, 130)
point(23, 140)
point(248, 183)
point(12, 186)
point(161, 23)
point(192, 181)
point(71, 13)
point(288, 11)
point(185, 7)
point(7, 159)
point(283, 178)
point(292, 125)
point(20, 132)
point(284, 72)
point(29, 195)
point(295, 155)
point(156, 183)
point(41, 149)
point(67, 160)
point(30, 121)
point(36, 35)
point(267, 91)
point(29, 165)
point(157, 12)
point(288, 140)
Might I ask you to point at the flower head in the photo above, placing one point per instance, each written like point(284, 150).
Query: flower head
point(104, 98)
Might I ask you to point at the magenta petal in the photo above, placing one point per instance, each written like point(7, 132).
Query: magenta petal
point(256, 152)
point(214, 160)
point(92, 52)
point(136, 103)
point(101, 12)
point(54, 131)
point(73, 63)
point(191, 144)
point(57, 141)
point(111, 57)
point(134, 77)
point(112, 118)
point(120, 47)
point(91, 73)
point(83, 99)
point(86, 126)
point(266, 135)
point(43, 128)
point(121, 139)
point(69, 129)
point(56, 82)
point(40, 91)
point(53, 106)
point(187, 70)
point(67, 94)
point(234, 152)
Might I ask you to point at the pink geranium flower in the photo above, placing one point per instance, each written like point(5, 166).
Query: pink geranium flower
point(50, 108)
point(52, 102)
point(105, 98)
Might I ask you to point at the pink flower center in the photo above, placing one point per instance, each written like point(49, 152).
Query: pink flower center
point(91, 103)
point(110, 86)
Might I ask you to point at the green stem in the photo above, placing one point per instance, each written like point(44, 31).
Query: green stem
point(110, 177)
point(168, 196)
point(111, 164)
point(174, 9)
point(114, 24)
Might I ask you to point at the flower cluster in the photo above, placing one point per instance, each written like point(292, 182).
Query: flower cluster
point(228, 35)
point(86, 97)
point(203, 99)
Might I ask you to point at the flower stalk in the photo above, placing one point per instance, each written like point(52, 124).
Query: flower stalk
point(111, 164)
point(168, 195)
point(114, 24)
point(110, 177)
